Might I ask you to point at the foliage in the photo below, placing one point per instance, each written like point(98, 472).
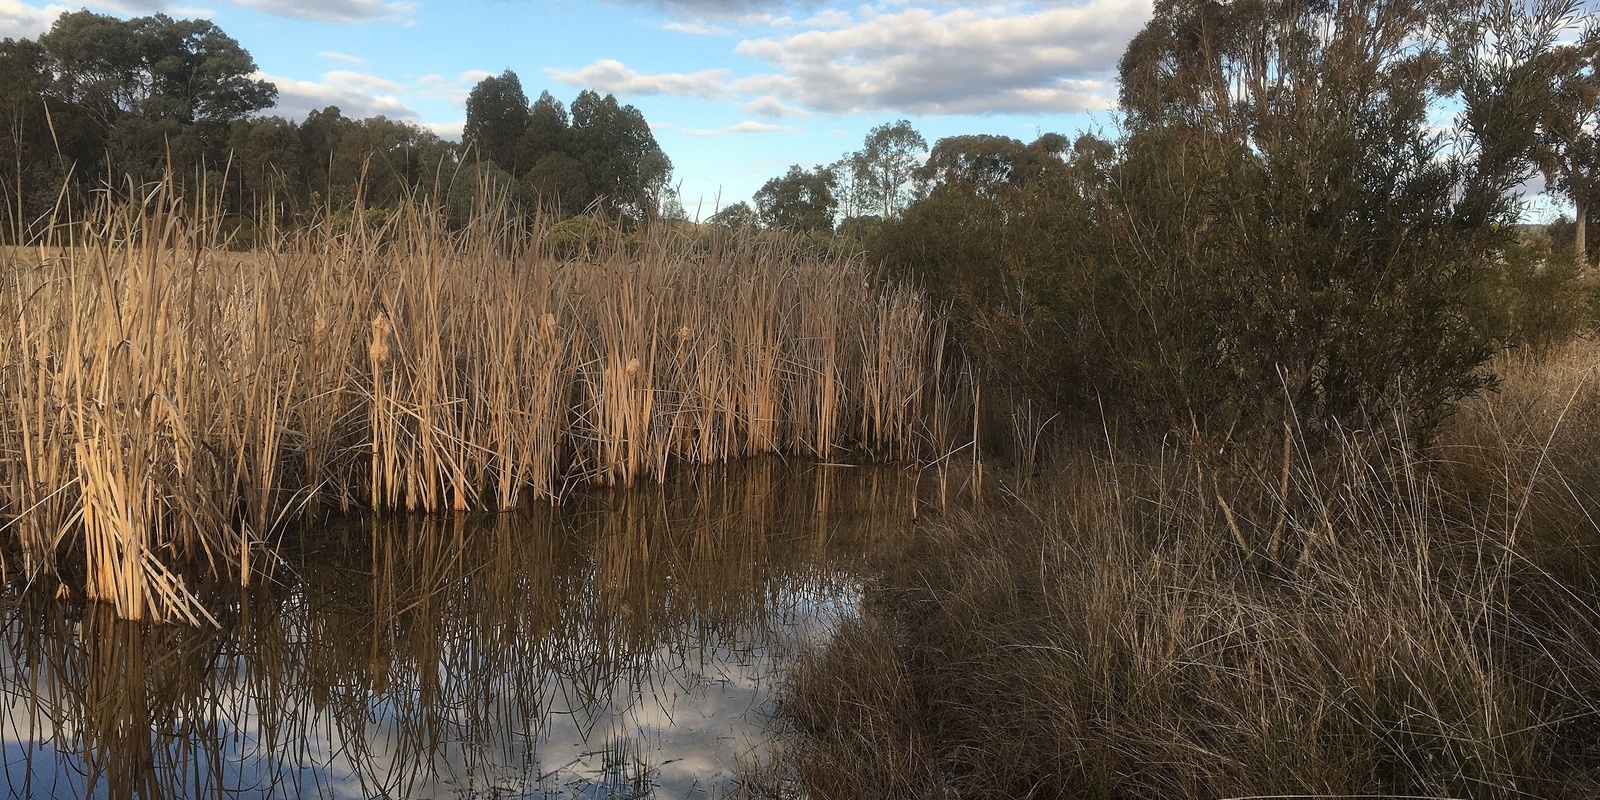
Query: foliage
point(1280, 226)
point(738, 215)
point(1568, 148)
point(498, 117)
point(96, 95)
point(876, 182)
point(799, 201)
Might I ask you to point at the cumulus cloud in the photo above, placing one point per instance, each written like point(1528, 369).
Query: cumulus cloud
point(749, 126)
point(724, 9)
point(356, 94)
point(613, 77)
point(343, 58)
point(19, 19)
point(450, 90)
point(447, 130)
point(773, 108)
point(334, 10)
point(696, 28)
point(962, 61)
point(22, 21)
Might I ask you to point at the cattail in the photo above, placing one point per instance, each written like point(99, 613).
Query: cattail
point(378, 348)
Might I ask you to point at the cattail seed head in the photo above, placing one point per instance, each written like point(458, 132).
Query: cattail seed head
point(378, 347)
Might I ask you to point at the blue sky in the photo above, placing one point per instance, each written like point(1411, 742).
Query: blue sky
point(736, 90)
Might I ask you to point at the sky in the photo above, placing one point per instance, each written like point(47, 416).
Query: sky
point(735, 90)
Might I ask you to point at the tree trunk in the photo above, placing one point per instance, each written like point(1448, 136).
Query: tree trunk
point(1579, 241)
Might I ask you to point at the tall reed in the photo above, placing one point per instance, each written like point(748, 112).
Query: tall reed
point(167, 401)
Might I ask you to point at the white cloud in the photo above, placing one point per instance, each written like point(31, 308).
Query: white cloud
point(356, 94)
point(362, 81)
point(334, 10)
point(450, 90)
point(22, 21)
point(831, 18)
point(773, 108)
point(724, 9)
point(749, 126)
point(614, 77)
point(696, 28)
point(343, 58)
point(962, 61)
point(447, 130)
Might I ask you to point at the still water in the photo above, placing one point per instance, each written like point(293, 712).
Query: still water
point(627, 644)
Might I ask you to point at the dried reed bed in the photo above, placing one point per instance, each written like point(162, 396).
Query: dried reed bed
point(166, 401)
point(1370, 621)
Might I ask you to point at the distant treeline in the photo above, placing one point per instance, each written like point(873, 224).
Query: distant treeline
point(99, 104)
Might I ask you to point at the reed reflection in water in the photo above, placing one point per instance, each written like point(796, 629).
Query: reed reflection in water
point(622, 646)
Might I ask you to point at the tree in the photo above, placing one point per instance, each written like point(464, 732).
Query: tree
point(984, 164)
point(31, 173)
point(549, 131)
point(889, 156)
point(498, 117)
point(187, 71)
point(853, 185)
point(624, 168)
point(1568, 149)
point(738, 215)
point(799, 201)
point(1292, 221)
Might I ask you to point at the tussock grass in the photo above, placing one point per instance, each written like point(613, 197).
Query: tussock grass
point(1369, 621)
point(167, 401)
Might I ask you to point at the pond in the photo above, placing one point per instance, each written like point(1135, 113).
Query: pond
point(626, 644)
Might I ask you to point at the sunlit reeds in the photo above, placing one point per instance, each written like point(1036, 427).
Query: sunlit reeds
point(166, 401)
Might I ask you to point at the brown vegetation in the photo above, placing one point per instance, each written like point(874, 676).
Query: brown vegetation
point(1373, 621)
point(165, 400)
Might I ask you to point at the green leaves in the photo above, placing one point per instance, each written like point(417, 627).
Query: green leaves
point(799, 201)
point(155, 67)
point(497, 118)
point(601, 156)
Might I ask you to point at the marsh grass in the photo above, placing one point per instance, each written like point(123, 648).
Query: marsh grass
point(167, 402)
point(1367, 620)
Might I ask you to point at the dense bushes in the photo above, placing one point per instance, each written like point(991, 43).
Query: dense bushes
point(1280, 225)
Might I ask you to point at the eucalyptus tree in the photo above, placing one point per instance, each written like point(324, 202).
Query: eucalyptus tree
point(1568, 148)
point(498, 117)
point(889, 160)
point(800, 200)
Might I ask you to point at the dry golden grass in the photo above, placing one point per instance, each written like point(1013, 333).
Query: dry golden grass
point(1371, 621)
point(165, 400)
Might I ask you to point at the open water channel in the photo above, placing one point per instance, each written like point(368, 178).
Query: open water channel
point(626, 644)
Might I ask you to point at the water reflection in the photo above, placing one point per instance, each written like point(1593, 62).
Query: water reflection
point(623, 646)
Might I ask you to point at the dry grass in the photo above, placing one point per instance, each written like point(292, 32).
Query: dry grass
point(1374, 621)
point(166, 401)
